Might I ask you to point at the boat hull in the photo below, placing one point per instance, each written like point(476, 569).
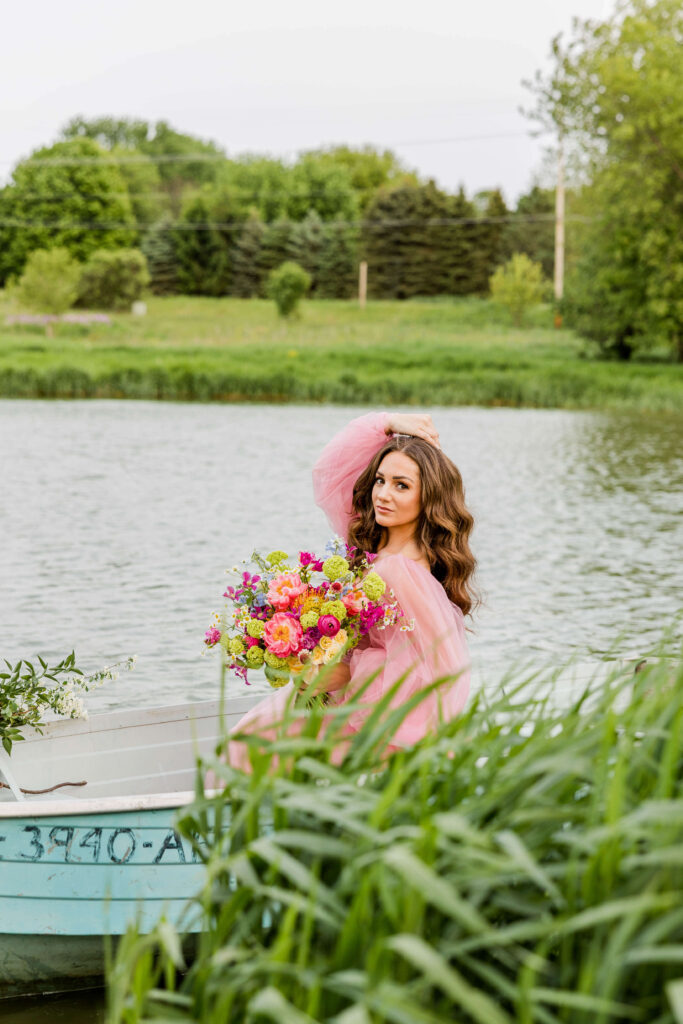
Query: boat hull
point(82, 864)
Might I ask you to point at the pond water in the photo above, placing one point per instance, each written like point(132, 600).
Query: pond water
point(118, 520)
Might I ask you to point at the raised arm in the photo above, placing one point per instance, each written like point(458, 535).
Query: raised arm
point(341, 462)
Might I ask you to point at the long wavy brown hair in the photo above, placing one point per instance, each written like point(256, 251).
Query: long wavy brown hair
point(444, 524)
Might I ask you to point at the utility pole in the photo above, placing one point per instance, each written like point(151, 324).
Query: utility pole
point(559, 225)
point(362, 284)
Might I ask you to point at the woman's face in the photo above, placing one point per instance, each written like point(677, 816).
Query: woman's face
point(396, 496)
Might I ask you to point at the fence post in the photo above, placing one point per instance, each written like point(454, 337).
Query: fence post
point(362, 284)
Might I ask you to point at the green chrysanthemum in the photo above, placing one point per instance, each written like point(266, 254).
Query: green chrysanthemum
point(255, 628)
point(255, 656)
point(276, 557)
point(373, 586)
point(335, 608)
point(309, 620)
point(335, 566)
point(273, 660)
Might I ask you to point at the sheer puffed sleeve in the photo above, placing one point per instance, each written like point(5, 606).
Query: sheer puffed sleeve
point(341, 462)
point(434, 649)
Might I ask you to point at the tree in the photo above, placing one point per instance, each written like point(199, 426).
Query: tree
point(202, 257)
point(419, 241)
point(247, 277)
point(287, 286)
point(518, 285)
point(489, 237)
point(158, 245)
point(616, 93)
point(169, 150)
point(306, 243)
point(149, 202)
point(338, 266)
point(67, 195)
point(49, 283)
point(259, 183)
point(108, 132)
point(113, 279)
point(367, 168)
point(275, 248)
point(531, 229)
point(325, 187)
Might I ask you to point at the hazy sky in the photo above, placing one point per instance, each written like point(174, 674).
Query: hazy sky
point(272, 76)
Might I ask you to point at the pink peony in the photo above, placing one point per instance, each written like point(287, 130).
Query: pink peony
point(283, 635)
point(329, 625)
point(355, 602)
point(283, 588)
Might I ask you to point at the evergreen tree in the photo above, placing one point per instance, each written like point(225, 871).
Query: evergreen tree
point(534, 237)
point(306, 243)
point(414, 248)
point(489, 239)
point(275, 249)
point(158, 245)
point(247, 275)
point(338, 268)
point(202, 257)
point(462, 231)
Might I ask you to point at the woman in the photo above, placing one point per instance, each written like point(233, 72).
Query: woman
point(401, 498)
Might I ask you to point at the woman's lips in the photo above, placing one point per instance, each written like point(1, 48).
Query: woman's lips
point(381, 508)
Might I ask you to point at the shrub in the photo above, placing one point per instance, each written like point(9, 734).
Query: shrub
point(113, 279)
point(287, 286)
point(49, 283)
point(518, 285)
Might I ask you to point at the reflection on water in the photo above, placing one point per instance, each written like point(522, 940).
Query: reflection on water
point(118, 519)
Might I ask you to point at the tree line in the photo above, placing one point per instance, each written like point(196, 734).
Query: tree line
point(210, 225)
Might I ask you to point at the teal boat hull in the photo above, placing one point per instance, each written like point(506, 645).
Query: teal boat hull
point(68, 881)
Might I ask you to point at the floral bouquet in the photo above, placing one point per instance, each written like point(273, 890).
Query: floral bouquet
point(293, 616)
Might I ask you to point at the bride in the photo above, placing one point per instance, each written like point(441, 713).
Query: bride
point(387, 488)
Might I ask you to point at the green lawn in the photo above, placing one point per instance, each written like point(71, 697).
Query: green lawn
point(445, 352)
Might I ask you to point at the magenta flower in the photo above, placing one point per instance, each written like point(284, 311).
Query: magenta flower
point(329, 625)
point(305, 558)
point(371, 616)
point(212, 636)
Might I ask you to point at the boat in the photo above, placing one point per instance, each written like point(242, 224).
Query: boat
point(88, 843)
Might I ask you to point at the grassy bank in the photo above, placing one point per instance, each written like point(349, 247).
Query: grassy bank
point(446, 352)
point(522, 864)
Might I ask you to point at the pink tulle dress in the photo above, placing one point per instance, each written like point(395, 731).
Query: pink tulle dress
point(436, 647)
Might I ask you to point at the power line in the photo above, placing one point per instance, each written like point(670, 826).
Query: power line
point(168, 158)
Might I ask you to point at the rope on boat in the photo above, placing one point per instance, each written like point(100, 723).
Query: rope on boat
point(50, 789)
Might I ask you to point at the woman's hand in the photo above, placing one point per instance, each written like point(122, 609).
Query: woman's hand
point(416, 424)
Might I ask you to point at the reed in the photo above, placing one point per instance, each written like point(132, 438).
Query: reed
point(523, 864)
